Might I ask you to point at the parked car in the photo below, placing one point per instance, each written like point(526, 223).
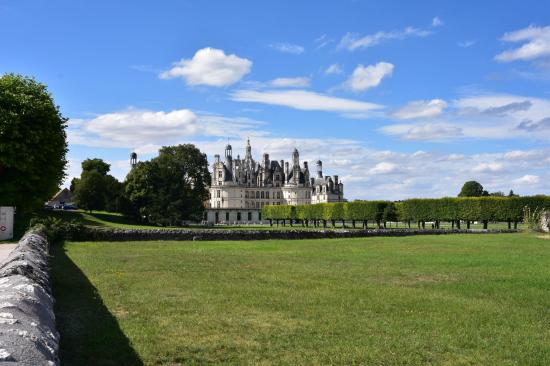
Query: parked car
point(69, 206)
point(48, 207)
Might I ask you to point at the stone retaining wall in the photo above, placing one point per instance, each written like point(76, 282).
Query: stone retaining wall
point(28, 334)
point(96, 234)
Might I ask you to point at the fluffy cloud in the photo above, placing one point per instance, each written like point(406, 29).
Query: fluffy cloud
point(424, 131)
point(333, 69)
point(536, 44)
point(421, 109)
point(383, 168)
point(437, 22)
point(353, 42)
point(287, 48)
point(209, 66)
point(304, 100)
point(364, 78)
point(483, 116)
point(298, 82)
point(527, 179)
point(488, 167)
point(146, 130)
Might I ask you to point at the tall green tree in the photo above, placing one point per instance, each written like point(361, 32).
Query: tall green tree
point(33, 144)
point(96, 189)
point(90, 191)
point(472, 189)
point(171, 187)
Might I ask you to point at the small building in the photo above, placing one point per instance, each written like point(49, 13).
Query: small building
point(62, 197)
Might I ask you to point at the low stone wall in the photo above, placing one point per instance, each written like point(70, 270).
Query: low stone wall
point(96, 234)
point(28, 334)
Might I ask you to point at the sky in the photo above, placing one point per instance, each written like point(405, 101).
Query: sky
point(400, 99)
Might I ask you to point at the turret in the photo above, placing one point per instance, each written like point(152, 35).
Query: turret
point(133, 160)
point(335, 178)
point(295, 158)
point(266, 161)
point(319, 169)
point(229, 157)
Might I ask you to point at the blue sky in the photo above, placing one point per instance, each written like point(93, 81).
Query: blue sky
point(401, 99)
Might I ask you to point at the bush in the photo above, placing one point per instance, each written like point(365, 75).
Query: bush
point(57, 229)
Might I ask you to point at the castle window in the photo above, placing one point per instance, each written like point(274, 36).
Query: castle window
point(267, 194)
point(257, 194)
point(238, 216)
point(220, 174)
point(227, 216)
point(262, 194)
point(218, 194)
point(218, 204)
point(246, 194)
point(250, 216)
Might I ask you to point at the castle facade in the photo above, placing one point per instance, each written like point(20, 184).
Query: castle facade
point(241, 187)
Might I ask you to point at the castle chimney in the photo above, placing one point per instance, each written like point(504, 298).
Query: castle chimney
point(319, 169)
point(335, 177)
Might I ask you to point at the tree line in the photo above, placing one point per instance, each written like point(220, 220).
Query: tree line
point(455, 210)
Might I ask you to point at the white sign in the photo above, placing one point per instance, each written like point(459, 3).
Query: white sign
point(6, 223)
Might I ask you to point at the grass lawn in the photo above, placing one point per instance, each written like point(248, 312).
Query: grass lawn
point(441, 300)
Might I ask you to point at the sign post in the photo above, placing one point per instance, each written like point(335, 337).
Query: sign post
point(6, 223)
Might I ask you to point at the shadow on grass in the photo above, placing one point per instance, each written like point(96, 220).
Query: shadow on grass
point(90, 334)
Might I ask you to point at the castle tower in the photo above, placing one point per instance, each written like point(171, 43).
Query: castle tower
point(248, 155)
point(133, 160)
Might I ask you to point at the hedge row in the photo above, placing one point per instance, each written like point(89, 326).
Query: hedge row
point(441, 209)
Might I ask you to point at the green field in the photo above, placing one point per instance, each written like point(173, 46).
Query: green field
point(441, 300)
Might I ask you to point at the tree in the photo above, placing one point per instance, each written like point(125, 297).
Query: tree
point(471, 189)
point(512, 194)
point(97, 165)
point(33, 144)
point(97, 190)
point(389, 214)
point(171, 187)
point(90, 191)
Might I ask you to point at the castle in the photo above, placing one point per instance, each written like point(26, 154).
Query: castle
point(241, 187)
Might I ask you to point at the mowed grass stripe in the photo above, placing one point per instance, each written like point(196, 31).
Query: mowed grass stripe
point(453, 299)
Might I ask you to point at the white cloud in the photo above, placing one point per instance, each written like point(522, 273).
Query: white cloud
point(488, 167)
point(383, 168)
point(333, 69)
point(304, 100)
point(364, 78)
point(288, 48)
point(352, 41)
point(209, 66)
point(298, 82)
point(537, 44)
point(146, 130)
point(467, 43)
point(424, 131)
point(527, 179)
point(479, 116)
point(421, 109)
point(437, 22)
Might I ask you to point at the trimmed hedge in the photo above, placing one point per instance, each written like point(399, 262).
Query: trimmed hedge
point(506, 209)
